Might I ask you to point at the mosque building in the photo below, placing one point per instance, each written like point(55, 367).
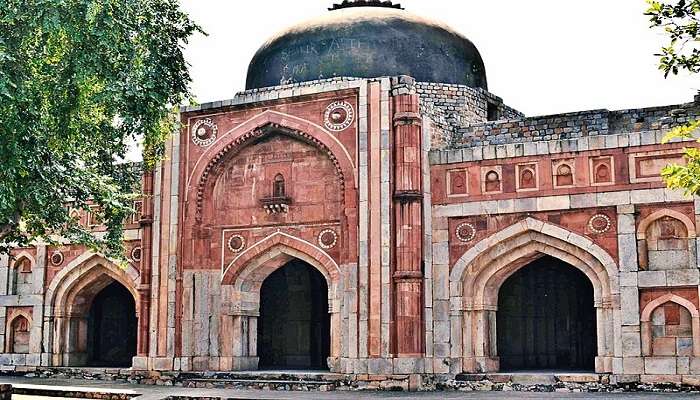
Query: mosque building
point(367, 207)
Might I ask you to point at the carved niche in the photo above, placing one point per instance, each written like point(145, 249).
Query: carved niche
point(491, 178)
point(602, 171)
point(665, 245)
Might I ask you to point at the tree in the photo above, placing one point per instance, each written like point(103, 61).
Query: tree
point(79, 81)
point(680, 20)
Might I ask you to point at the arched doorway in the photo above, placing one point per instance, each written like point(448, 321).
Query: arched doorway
point(546, 318)
point(112, 327)
point(294, 323)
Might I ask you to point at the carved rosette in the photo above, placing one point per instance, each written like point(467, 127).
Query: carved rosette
point(136, 254)
point(204, 132)
point(236, 243)
point(599, 223)
point(56, 258)
point(339, 116)
point(465, 232)
point(327, 239)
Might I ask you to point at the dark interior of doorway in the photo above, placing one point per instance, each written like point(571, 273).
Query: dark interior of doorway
point(112, 328)
point(294, 324)
point(546, 318)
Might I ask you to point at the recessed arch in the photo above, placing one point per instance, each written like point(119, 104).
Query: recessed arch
point(23, 256)
point(11, 341)
point(646, 323)
point(242, 281)
point(260, 125)
point(644, 224)
point(669, 297)
point(272, 246)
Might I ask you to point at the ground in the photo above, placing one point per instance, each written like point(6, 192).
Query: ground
point(150, 392)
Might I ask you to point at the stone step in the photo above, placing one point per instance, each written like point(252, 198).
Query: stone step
point(266, 380)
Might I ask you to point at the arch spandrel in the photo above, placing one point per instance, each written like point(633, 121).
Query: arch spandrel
point(522, 241)
point(245, 264)
point(80, 273)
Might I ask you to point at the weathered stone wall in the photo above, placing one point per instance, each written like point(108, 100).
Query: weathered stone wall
point(575, 125)
point(454, 108)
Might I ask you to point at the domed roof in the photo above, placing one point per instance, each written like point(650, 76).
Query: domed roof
point(367, 39)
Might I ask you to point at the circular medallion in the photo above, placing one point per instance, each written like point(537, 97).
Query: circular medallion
point(339, 116)
point(327, 239)
point(465, 232)
point(204, 132)
point(56, 258)
point(599, 223)
point(236, 243)
point(136, 254)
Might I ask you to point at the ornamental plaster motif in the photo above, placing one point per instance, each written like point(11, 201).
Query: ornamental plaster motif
point(339, 116)
point(327, 239)
point(465, 232)
point(236, 243)
point(56, 258)
point(599, 223)
point(204, 132)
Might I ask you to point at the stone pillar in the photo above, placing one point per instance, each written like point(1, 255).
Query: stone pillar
point(630, 348)
point(408, 214)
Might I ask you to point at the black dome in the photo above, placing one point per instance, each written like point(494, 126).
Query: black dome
point(367, 42)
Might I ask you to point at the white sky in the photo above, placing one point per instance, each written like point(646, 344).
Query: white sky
point(541, 56)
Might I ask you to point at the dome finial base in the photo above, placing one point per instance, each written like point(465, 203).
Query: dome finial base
point(365, 3)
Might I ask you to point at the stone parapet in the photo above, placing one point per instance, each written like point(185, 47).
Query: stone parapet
point(583, 124)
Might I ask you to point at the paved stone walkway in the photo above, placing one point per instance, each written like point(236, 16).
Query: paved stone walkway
point(148, 392)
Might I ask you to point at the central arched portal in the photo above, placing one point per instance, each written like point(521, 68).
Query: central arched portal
point(294, 323)
point(546, 318)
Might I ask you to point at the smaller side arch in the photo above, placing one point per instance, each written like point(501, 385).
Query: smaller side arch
point(644, 224)
point(68, 301)
point(22, 256)
point(652, 305)
point(10, 334)
point(646, 325)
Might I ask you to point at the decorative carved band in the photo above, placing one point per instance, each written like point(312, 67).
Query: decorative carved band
point(408, 275)
point(408, 196)
point(407, 118)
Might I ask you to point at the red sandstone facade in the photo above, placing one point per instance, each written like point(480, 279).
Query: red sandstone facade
point(426, 236)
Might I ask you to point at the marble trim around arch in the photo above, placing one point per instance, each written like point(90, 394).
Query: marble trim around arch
point(477, 276)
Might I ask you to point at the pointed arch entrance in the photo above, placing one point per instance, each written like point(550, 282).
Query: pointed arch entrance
point(479, 275)
point(253, 287)
point(80, 323)
point(112, 327)
point(294, 324)
point(546, 318)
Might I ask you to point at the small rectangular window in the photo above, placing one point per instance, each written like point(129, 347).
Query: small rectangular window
point(492, 113)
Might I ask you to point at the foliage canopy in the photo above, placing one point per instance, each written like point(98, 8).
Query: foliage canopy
point(79, 81)
point(680, 21)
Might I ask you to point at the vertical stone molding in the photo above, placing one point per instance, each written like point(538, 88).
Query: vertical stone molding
point(408, 220)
